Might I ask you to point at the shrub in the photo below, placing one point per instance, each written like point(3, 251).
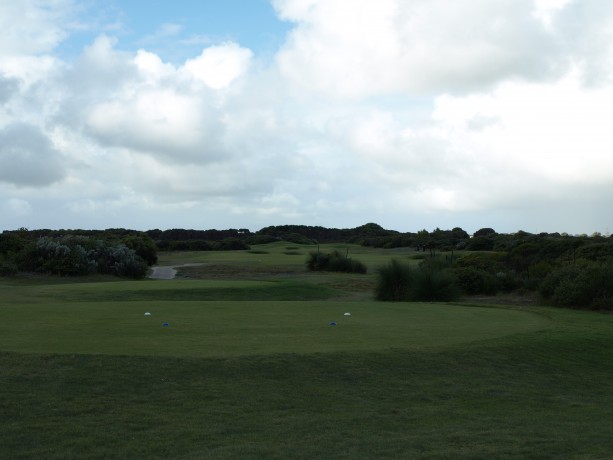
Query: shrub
point(394, 282)
point(334, 262)
point(601, 252)
point(317, 261)
point(261, 239)
point(144, 247)
point(588, 286)
point(487, 261)
point(297, 238)
point(118, 260)
point(431, 282)
point(474, 281)
point(7, 267)
point(231, 244)
point(556, 278)
point(480, 243)
point(125, 262)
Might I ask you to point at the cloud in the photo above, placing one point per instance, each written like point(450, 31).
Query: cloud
point(169, 29)
point(137, 101)
point(218, 66)
point(8, 87)
point(363, 48)
point(30, 28)
point(584, 32)
point(27, 157)
point(158, 121)
point(408, 113)
point(519, 145)
point(16, 207)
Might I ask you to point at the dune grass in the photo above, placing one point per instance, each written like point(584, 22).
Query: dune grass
point(84, 374)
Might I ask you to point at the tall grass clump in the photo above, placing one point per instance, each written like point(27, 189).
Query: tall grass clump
point(430, 282)
point(434, 284)
point(334, 262)
point(394, 281)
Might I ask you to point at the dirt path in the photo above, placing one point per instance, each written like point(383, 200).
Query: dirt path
point(163, 273)
point(168, 272)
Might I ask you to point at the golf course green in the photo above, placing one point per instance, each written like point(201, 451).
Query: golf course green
point(249, 356)
point(238, 328)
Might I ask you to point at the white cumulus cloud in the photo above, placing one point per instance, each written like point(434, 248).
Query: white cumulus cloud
point(363, 48)
point(218, 66)
point(410, 113)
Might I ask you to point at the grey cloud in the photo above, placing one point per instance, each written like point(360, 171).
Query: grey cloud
point(27, 157)
point(584, 29)
point(8, 87)
point(125, 125)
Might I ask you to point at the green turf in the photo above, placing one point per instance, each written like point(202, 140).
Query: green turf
point(287, 255)
point(544, 394)
point(171, 290)
point(222, 328)
point(84, 374)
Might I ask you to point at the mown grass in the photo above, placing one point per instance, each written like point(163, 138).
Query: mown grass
point(226, 328)
point(533, 395)
point(279, 254)
point(84, 374)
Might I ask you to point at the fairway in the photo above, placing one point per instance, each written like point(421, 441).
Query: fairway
point(231, 328)
point(249, 366)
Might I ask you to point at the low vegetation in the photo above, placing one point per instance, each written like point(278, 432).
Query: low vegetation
point(431, 281)
point(334, 262)
point(258, 359)
point(74, 255)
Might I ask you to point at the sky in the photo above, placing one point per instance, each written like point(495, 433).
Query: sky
point(222, 114)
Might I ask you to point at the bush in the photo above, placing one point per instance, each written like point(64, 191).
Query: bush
point(480, 243)
point(552, 281)
point(490, 262)
point(334, 262)
point(144, 247)
point(118, 260)
point(474, 281)
point(394, 282)
point(297, 238)
point(261, 239)
point(317, 261)
point(231, 244)
point(7, 267)
point(589, 286)
point(126, 263)
point(431, 282)
point(601, 252)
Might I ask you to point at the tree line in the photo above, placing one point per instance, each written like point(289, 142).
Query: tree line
point(567, 270)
